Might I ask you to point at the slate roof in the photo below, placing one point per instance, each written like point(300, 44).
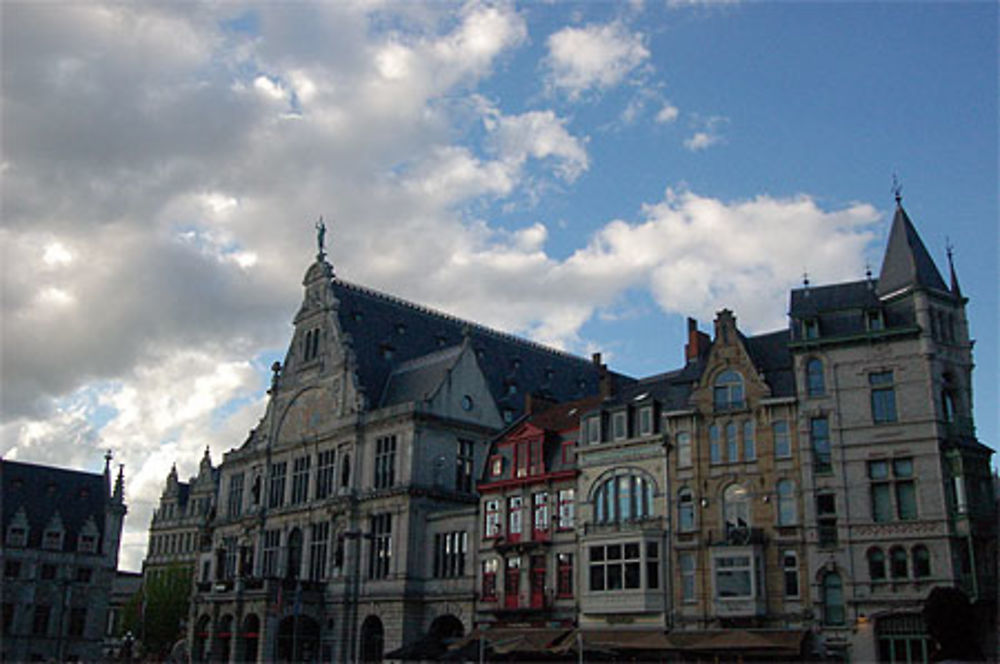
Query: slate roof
point(840, 309)
point(387, 332)
point(906, 260)
point(44, 490)
point(772, 358)
point(419, 378)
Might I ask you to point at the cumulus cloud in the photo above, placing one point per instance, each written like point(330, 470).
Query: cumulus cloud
point(163, 170)
point(593, 57)
point(708, 133)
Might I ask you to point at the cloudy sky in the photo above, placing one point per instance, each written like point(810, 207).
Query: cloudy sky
point(587, 175)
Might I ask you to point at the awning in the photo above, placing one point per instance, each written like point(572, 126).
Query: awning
point(778, 642)
point(505, 640)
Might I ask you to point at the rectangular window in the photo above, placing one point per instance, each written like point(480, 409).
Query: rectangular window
point(52, 539)
point(464, 456)
point(385, 461)
point(566, 508)
point(17, 536)
point(782, 439)
point(883, 397)
point(749, 444)
point(594, 430)
point(496, 466)
point(326, 463)
point(40, 621)
point(300, 480)
point(380, 555)
point(684, 459)
point(270, 544)
point(732, 444)
point(906, 493)
point(87, 544)
point(652, 565)
point(819, 435)
point(618, 423)
point(235, 494)
point(490, 568)
point(319, 542)
point(615, 567)
point(790, 567)
point(276, 492)
point(687, 564)
point(888, 481)
point(540, 514)
point(229, 557)
point(826, 519)
point(734, 577)
point(491, 519)
point(564, 574)
point(714, 446)
point(77, 621)
point(645, 421)
point(450, 551)
point(514, 518)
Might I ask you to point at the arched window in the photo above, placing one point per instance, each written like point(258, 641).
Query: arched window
point(736, 508)
point(787, 511)
point(685, 510)
point(623, 497)
point(898, 562)
point(728, 390)
point(876, 564)
point(833, 599)
point(814, 378)
point(921, 562)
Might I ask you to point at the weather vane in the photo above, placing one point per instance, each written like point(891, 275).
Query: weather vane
point(897, 189)
point(320, 237)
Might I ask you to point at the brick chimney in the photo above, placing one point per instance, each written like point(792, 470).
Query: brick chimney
point(697, 344)
point(605, 384)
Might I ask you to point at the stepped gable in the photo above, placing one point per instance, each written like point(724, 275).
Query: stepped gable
point(44, 490)
point(387, 331)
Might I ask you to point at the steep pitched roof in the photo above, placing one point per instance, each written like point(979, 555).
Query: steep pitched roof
point(387, 332)
point(44, 490)
point(907, 261)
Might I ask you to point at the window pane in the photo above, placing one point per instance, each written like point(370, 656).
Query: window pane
point(906, 500)
point(881, 506)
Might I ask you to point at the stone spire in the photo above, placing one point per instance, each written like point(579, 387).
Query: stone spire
point(119, 495)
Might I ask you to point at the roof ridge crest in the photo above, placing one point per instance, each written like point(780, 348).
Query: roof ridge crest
point(455, 319)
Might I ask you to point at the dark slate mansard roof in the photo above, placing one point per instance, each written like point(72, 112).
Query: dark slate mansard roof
point(378, 323)
point(44, 490)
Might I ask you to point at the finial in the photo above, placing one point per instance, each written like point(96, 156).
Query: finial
point(805, 279)
point(897, 189)
point(320, 238)
point(949, 249)
point(868, 270)
point(107, 461)
point(275, 372)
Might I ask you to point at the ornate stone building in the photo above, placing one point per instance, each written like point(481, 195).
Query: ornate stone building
point(61, 533)
point(365, 460)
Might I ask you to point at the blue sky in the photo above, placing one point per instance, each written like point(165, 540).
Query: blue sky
point(584, 174)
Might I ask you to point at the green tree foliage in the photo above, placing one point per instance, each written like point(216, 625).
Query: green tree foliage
point(164, 600)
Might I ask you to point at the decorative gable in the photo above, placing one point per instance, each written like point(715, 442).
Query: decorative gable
point(88, 537)
point(17, 529)
point(54, 533)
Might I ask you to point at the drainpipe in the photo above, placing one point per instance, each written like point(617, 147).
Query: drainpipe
point(843, 477)
point(668, 530)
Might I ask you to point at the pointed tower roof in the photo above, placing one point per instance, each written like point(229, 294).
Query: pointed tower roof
point(907, 262)
point(955, 289)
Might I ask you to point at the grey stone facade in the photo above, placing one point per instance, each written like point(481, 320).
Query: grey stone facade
point(61, 534)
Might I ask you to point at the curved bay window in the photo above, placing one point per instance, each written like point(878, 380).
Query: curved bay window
point(623, 497)
point(727, 392)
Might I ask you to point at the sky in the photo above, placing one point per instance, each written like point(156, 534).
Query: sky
point(587, 175)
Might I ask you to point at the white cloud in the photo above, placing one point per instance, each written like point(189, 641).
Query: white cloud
point(707, 134)
point(594, 57)
point(538, 134)
point(667, 114)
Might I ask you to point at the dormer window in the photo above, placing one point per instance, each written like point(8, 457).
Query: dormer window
point(387, 351)
point(810, 328)
point(17, 536)
point(874, 321)
point(646, 421)
point(594, 430)
point(727, 393)
point(620, 426)
point(88, 544)
point(52, 539)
